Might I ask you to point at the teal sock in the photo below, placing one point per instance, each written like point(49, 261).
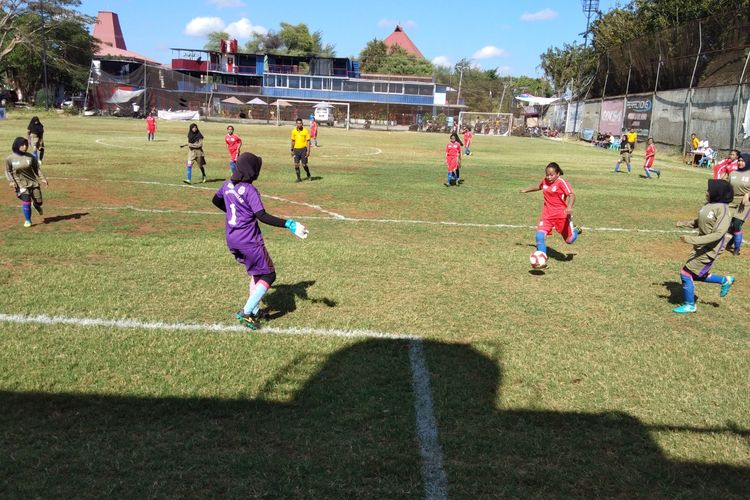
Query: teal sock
point(714, 278)
point(253, 302)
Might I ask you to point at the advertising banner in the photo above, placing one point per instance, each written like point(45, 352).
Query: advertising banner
point(610, 121)
point(638, 115)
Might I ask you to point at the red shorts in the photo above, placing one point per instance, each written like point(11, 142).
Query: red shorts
point(452, 162)
point(649, 162)
point(563, 225)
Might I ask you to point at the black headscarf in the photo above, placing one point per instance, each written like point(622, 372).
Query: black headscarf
point(194, 136)
point(248, 168)
point(719, 191)
point(20, 141)
point(35, 126)
point(746, 157)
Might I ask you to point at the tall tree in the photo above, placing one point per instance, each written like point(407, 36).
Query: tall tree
point(372, 56)
point(214, 40)
point(291, 39)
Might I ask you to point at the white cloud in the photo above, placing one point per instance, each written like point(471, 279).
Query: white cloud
point(488, 52)
point(442, 61)
point(244, 29)
point(227, 4)
point(390, 23)
point(202, 26)
point(542, 15)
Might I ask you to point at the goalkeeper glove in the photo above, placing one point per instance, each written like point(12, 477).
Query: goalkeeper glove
point(296, 228)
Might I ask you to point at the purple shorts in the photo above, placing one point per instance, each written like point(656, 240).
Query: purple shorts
point(255, 259)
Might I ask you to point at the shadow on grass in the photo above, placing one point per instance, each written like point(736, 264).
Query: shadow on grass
point(316, 178)
point(282, 299)
point(676, 296)
point(559, 256)
point(349, 431)
point(60, 218)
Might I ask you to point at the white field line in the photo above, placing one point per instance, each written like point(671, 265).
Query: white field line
point(433, 473)
point(43, 319)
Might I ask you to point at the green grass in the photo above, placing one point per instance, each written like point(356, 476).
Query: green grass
point(576, 382)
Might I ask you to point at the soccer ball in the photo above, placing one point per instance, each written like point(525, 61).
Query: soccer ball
point(538, 259)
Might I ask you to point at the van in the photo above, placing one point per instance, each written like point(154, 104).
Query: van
point(324, 116)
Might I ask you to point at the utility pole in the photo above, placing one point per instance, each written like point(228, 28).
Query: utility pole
point(590, 7)
point(460, 80)
point(44, 57)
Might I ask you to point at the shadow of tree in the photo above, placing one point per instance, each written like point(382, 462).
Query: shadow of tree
point(348, 432)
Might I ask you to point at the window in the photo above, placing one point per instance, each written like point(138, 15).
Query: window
point(396, 88)
point(411, 89)
point(304, 82)
point(335, 84)
point(293, 82)
point(270, 80)
point(350, 86)
point(281, 80)
point(364, 86)
point(317, 83)
point(380, 87)
point(425, 90)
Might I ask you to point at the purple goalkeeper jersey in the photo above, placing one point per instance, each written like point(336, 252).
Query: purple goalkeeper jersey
point(242, 202)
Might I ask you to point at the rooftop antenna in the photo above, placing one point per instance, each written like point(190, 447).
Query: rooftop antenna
point(590, 8)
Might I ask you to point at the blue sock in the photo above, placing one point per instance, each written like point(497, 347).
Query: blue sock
point(26, 208)
point(252, 306)
point(737, 242)
point(628, 167)
point(574, 237)
point(189, 172)
point(541, 243)
point(688, 289)
point(617, 166)
point(648, 174)
point(232, 166)
point(714, 278)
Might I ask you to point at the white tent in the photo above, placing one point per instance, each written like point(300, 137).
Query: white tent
point(258, 100)
point(121, 96)
point(323, 105)
point(536, 101)
point(232, 100)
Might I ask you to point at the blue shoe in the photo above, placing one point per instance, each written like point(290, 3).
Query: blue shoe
point(726, 286)
point(685, 308)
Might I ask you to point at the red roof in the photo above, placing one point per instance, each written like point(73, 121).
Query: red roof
point(107, 30)
point(400, 38)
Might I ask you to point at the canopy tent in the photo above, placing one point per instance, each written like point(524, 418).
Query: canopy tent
point(120, 96)
point(323, 105)
point(257, 100)
point(536, 101)
point(232, 100)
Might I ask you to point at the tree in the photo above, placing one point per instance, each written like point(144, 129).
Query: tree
point(569, 67)
point(25, 39)
point(293, 40)
point(376, 57)
point(214, 40)
point(372, 56)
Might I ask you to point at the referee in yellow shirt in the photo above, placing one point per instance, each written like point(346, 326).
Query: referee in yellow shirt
point(300, 148)
point(632, 138)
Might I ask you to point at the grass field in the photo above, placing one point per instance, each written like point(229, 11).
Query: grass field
point(412, 352)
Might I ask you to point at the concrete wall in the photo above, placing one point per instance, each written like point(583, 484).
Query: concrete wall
point(590, 112)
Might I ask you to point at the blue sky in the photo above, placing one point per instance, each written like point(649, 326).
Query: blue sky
point(499, 34)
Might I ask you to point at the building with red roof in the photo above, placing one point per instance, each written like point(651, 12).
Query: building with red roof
point(111, 42)
point(401, 39)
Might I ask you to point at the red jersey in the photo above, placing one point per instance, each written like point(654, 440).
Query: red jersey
point(233, 145)
point(724, 167)
point(650, 153)
point(151, 124)
point(555, 198)
point(452, 154)
point(314, 130)
point(468, 136)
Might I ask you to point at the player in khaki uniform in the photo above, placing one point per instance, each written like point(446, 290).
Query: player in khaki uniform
point(195, 153)
point(23, 174)
point(624, 153)
point(35, 132)
point(740, 205)
point(300, 148)
point(712, 224)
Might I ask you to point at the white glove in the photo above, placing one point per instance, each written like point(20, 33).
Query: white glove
point(296, 228)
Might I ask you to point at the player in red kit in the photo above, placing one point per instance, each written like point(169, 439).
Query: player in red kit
point(558, 207)
point(453, 160)
point(648, 163)
point(468, 136)
point(313, 131)
point(234, 143)
point(151, 126)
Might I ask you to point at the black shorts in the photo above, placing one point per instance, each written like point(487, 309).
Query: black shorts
point(300, 154)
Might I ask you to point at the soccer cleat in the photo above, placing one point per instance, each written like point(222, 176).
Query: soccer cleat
point(298, 180)
point(684, 309)
point(204, 180)
point(579, 229)
point(27, 223)
point(658, 174)
point(39, 209)
point(728, 281)
point(247, 320)
point(186, 181)
point(309, 178)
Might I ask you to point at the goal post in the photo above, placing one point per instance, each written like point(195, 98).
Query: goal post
point(499, 124)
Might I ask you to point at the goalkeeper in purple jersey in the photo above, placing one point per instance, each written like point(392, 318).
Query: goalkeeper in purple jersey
point(241, 202)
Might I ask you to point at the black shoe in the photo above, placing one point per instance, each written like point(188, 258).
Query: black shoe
point(39, 209)
point(298, 180)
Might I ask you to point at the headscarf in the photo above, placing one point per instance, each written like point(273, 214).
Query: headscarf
point(35, 126)
point(719, 191)
point(248, 168)
point(194, 136)
point(746, 157)
point(20, 141)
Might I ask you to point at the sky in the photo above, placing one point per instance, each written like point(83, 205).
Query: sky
point(504, 35)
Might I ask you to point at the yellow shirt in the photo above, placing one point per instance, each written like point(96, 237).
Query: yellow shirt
point(632, 136)
point(696, 143)
point(300, 137)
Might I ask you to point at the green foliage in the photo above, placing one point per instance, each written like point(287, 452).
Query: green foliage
point(373, 56)
point(376, 57)
point(291, 39)
point(214, 40)
point(568, 67)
